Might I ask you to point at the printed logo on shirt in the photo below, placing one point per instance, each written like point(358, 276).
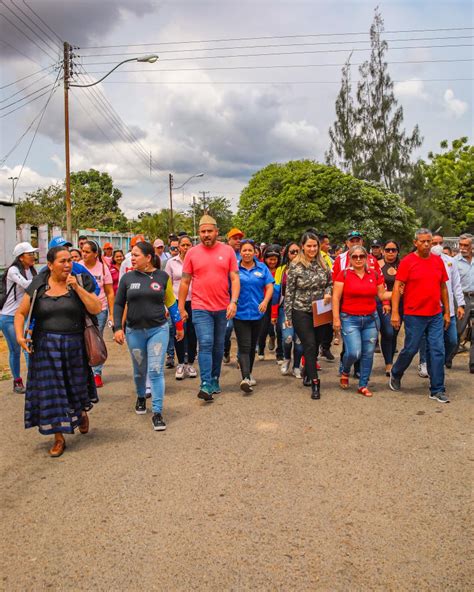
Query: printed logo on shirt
point(258, 274)
point(155, 286)
point(220, 257)
point(135, 286)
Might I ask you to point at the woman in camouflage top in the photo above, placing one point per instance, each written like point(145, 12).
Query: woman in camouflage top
point(309, 279)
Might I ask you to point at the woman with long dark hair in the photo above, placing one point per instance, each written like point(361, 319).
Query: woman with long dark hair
point(271, 258)
point(60, 388)
point(15, 280)
point(147, 292)
point(309, 280)
point(115, 263)
point(93, 262)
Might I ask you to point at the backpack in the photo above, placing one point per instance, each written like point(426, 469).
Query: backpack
point(4, 294)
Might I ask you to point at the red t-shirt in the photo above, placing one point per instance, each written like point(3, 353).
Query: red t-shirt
point(422, 279)
point(210, 268)
point(358, 294)
point(342, 261)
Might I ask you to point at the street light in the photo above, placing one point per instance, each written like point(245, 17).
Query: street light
point(13, 179)
point(150, 59)
point(170, 177)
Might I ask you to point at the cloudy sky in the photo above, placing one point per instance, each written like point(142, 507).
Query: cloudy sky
point(239, 84)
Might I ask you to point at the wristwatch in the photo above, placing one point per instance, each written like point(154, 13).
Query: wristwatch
point(234, 302)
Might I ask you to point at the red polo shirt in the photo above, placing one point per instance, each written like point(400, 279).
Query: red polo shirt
point(422, 279)
point(358, 294)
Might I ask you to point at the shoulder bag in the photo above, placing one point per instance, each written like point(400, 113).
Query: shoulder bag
point(96, 349)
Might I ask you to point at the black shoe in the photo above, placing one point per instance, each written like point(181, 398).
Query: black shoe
point(140, 406)
point(316, 390)
point(271, 343)
point(326, 353)
point(158, 422)
point(449, 364)
point(306, 380)
point(356, 374)
point(394, 383)
point(169, 362)
point(205, 396)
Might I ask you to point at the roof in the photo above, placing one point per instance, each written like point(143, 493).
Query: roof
point(7, 203)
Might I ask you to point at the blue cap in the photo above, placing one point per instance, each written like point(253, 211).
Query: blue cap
point(354, 234)
point(59, 241)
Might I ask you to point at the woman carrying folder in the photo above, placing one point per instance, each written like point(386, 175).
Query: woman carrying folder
point(309, 280)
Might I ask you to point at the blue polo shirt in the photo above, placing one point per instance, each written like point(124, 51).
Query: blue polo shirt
point(252, 290)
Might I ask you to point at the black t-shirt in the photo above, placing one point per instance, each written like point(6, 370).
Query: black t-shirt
point(389, 271)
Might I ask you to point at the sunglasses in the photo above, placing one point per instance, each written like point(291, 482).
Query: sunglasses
point(248, 241)
point(294, 252)
point(173, 248)
point(391, 250)
point(358, 257)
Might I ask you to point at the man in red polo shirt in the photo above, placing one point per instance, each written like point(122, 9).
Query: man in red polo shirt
point(422, 277)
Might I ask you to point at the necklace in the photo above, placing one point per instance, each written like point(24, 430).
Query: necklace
point(149, 273)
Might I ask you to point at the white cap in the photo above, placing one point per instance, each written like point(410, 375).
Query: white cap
point(23, 248)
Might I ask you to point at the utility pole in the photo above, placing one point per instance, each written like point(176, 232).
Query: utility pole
point(66, 71)
point(170, 178)
point(13, 179)
point(194, 219)
point(203, 193)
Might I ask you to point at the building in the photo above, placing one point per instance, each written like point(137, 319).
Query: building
point(7, 233)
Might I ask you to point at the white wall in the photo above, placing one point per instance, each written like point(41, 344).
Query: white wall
point(7, 234)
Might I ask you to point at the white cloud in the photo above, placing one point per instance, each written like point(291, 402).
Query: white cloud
point(30, 180)
point(455, 107)
point(410, 89)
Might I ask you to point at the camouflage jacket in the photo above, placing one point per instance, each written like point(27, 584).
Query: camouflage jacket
point(304, 286)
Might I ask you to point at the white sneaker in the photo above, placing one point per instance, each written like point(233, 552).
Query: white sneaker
point(297, 373)
point(190, 371)
point(252, 381)
point(245, 386)
point(285, 368)
point(423, 371)
point(179, 374)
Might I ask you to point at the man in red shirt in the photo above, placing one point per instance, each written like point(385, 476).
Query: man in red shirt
point(422, 277)
point(209, 266)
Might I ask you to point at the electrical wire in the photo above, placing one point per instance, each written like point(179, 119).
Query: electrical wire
point(27, 103)
point(24, 88)
point(25, 97)
point(44, 23)
point(40, 37)
point(51, 66)
point(45, 33)
point(278, 82)
point(300, 36)
point(20, 52)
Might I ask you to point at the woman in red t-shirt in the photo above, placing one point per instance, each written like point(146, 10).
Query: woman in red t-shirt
point(354, 308)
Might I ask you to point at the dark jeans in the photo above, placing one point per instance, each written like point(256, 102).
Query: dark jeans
point(415, 327)
point(188, 345)
point(310, 337)
point(327, 337)
point(466, 321)
point(388, 341)
point(266, 329)
point(247, 333)
point(210, 331)
point(228, 334)
point(279, 339)
point(170, 348)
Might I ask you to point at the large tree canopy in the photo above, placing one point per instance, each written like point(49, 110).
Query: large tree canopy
point(283, 200)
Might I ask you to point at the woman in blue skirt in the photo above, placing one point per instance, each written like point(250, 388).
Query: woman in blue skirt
point(60, 388)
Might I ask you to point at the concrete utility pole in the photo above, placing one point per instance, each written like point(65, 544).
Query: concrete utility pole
point(204, 199)
point(67, 72)
point(13, 179)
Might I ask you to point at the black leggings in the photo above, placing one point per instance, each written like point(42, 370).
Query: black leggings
point(188, 344)
point(266, 328)
point(310, 337)
point(247, 333)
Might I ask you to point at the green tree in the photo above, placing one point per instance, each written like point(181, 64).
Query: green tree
point(43, 206)
point(157, 225)
point(217, 207)
point(283, 200)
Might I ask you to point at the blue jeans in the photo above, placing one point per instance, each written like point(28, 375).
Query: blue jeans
point(210, 329)
point(359, 333)
point(289, 338)
point(102, 320)
point(450, 342)
point(170, 348)
point(8, 330)
point(228, 335)
point(388, 335)
point(415, 327)
point(147, 349)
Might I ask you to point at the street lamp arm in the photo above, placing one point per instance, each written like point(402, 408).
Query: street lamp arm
point(187, 180)
point(150, 59)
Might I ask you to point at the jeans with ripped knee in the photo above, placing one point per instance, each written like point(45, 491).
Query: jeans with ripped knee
point(359, 333)
point(148, 349)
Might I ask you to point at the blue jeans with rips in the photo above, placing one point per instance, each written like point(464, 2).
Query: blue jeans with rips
point(102, 320)
point(147, 350)
point(290, 340)
point(415, 327)
point(359, 333)
point(210, 327)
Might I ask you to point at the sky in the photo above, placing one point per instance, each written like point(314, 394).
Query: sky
point(238, 85)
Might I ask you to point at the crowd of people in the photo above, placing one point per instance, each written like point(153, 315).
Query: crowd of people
point(183, 301)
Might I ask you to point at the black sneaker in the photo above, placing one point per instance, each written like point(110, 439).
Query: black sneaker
point(394, 383)
point(204, 394)
point(158, 422)
point(169, 362)
point(440, 397)
point(140, 406)
point(326, 353)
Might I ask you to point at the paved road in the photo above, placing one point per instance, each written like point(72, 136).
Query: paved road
point(268, 492)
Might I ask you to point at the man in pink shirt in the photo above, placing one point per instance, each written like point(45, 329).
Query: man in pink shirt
point(209, 266)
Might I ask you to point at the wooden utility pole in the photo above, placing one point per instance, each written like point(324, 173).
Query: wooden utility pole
point(66, 71)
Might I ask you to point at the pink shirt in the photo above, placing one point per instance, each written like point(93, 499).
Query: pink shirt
point(174, 268)
point(210, 268)
point(101, 272)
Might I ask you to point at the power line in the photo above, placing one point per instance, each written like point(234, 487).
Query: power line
point(103, 55)
point(300, 36)
point(20, 52)
point(24, 88)
point(50, 67)
point(25, 97)
point(277, 82)
point(280, 53)
point(45, 33)
point(54, 47)
point(27, 103)
point(45, 24)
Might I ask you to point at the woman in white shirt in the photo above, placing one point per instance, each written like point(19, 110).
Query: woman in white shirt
point(15, 280)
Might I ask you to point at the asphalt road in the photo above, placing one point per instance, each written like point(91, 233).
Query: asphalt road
point(271, 491)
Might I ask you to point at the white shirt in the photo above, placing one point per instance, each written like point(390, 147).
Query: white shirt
point(14, 277)
point(453, 284)
point(126, 265)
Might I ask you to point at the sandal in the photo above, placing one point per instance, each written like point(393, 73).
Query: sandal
point(58, 448)
point(363, 390)
point(84, 425)
point(344, 381)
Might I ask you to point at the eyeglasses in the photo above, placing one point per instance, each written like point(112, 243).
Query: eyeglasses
point(294, 252)
point(391, 250)
point(173, 248)
point(358, 257)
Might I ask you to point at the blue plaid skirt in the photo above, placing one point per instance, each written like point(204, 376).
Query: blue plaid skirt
point(60, 383)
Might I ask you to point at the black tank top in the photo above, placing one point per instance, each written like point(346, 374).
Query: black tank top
point(389, 271)
point(59, 314)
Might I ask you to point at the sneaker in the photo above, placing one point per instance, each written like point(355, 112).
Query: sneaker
point(395, 384)
point(356, 374)
point(245, 386)
point(253, 382)
point(158, 422)
point(280, 361)
point(205, 394)
point(297, 373)
point(271, 343)
point(98, 381)
point(18, 386)
point(190, 371)
point(423, 371)
point(169, 362)
point(285, 368)
point(261, 357)
point(215, 386)
point(148, 392)
point(326, 353)
point(226, 358)
point(440, 397)
point(140, 406)
point(179, 374)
